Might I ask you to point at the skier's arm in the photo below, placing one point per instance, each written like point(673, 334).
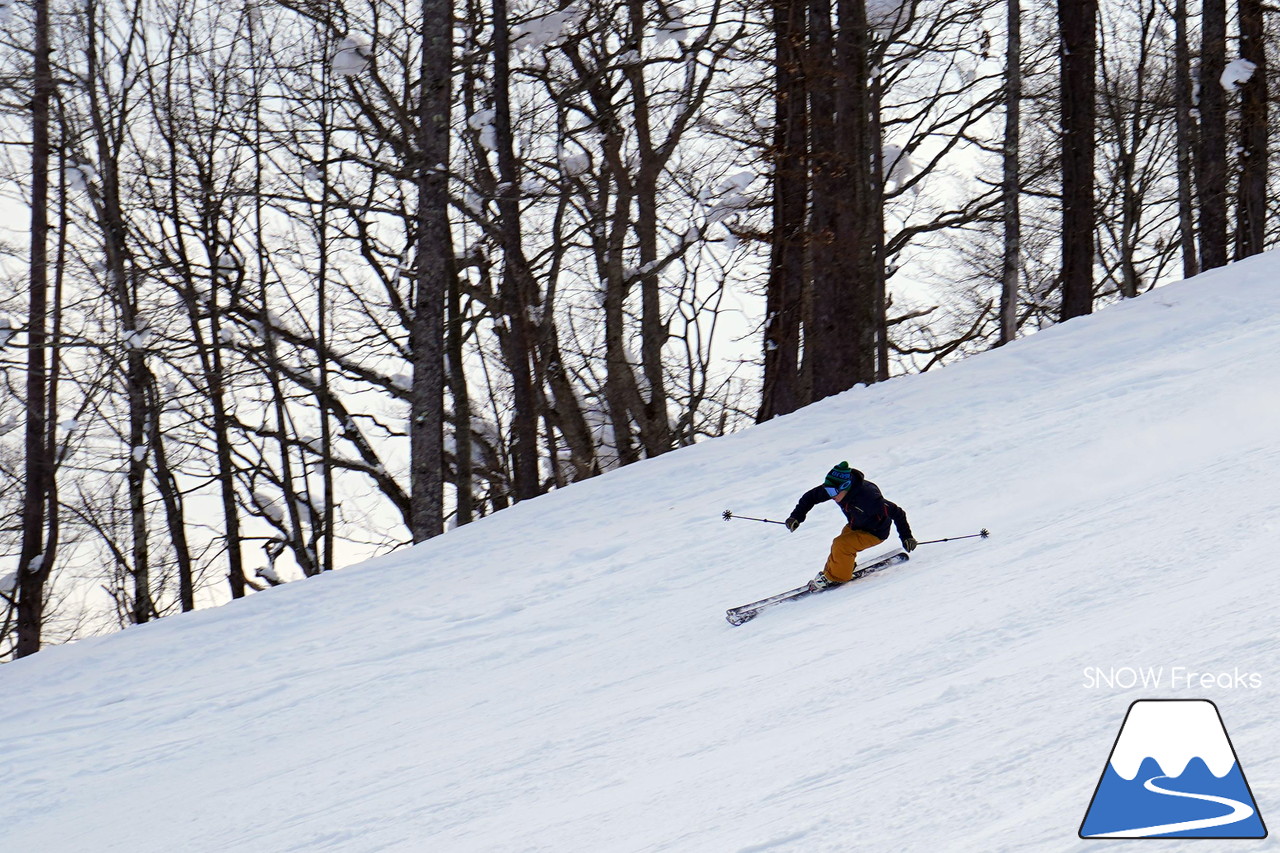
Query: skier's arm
point(899, 516)
point(808, 501)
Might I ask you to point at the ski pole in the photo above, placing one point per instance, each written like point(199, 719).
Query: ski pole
point(729, 516)
point(984, 533)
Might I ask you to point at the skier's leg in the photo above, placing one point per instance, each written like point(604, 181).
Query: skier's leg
point(844, 553)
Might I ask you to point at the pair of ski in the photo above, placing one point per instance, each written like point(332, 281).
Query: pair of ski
point(747, 612)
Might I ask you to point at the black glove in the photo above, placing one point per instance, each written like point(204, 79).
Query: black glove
point(792, 524)
point(910, 544)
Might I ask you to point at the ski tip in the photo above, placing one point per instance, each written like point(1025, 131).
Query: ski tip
point(736, 619)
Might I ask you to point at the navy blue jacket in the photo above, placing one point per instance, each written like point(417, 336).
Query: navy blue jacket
point(863, 505)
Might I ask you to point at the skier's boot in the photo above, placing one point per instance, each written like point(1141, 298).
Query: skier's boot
point(821, 582)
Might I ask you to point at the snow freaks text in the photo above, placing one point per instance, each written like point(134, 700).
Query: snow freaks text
point(1172, 678)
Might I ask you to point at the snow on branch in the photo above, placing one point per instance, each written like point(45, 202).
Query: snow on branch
point(673, 28)
point(886, 15)
point(544, 30)
point(351, 59)
point(1236, 74)
point(482, 122)
point(79, 174)
point(733, 197)
point(897, 166)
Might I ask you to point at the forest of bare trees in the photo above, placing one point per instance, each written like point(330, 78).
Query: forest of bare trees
point(287, 284)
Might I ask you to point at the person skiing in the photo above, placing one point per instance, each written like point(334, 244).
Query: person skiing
point(869, 514)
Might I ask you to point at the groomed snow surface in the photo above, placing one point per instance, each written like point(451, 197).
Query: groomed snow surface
point(560, 677)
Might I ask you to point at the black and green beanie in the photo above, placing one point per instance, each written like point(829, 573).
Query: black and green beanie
point(839, 477)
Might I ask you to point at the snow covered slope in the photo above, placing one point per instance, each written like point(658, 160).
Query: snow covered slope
point(559, 677)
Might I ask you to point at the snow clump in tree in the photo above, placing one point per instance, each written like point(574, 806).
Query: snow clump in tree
point(139, 337)
point(573, 164)
point(897, 166)
point(883, 16)
point(80, 175)
point(1236, 74)
point(544, 30)
point(733, 199)
point(351, 57)
point(482, 121)
point(674, 28)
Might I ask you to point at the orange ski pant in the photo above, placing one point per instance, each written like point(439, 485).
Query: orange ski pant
point(844, 553)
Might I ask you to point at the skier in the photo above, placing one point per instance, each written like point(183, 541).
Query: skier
point(869, 515)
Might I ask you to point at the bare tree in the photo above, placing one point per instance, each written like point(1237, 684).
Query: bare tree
point(846, 247)
point(518, 290)
point(1211, 159)
point(108, 114)
point(39, 511)
point(1251, 204)
point(1078, 22)
point(1011, 189)
point(789, 158)
point(434, 266)
point(1136, 133)
point(1185, 128)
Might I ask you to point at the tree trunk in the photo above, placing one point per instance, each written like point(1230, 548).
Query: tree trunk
point(1011, 265)
point(226, 474)
point(566, 414)
point(434, 264)
point(122, 289)
point(464, 467)
point(1251, 204)
point(621, 392)
point(1077, 21)
point(876, 237)
point(171, 497)
point(653, 417)
point(859, 229)
point(843, 332)
point(34, 563)
point(825, 191)
point(322, 521)
point(1211, 165)
point(781, 393)
point(517, 296)
point(1186, 130)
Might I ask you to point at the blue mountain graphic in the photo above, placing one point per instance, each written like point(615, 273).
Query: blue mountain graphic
point(1120, 804)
